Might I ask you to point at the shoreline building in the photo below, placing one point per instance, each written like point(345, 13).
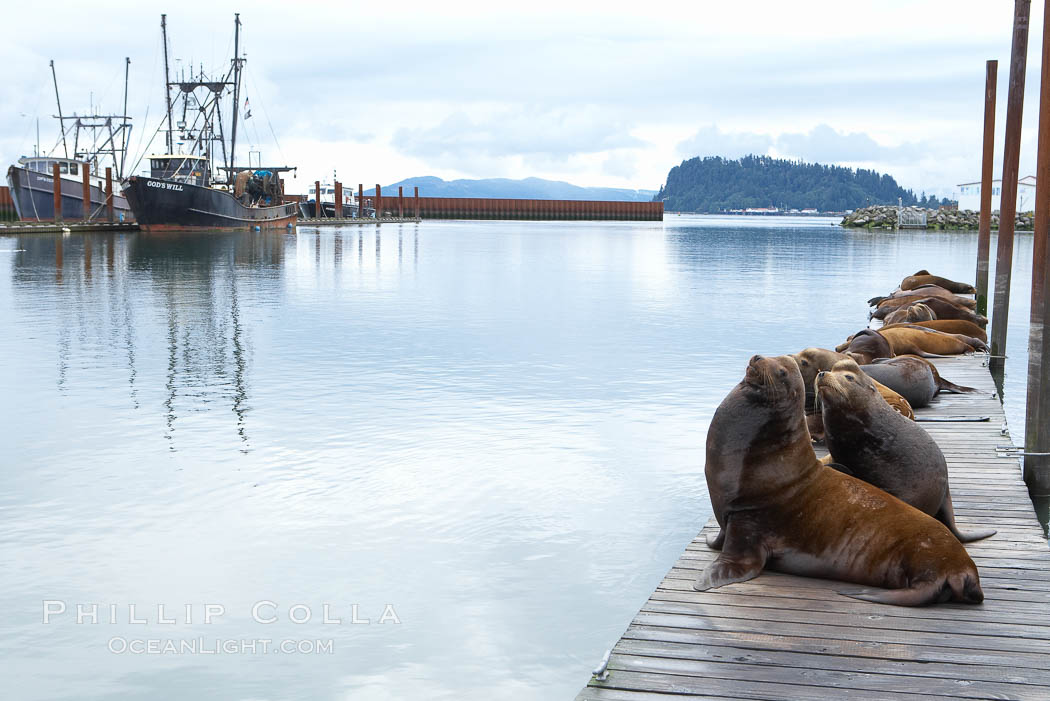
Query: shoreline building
point(970, 194)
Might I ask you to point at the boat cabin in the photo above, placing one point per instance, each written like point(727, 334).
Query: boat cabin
point(179, 167)
point(41, 164)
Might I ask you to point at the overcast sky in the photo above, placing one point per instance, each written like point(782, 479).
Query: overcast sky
point(592, 93)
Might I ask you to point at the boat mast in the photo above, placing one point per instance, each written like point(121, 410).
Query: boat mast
point(124, 125)
point(62, 122)
point(167, 79)
point(236, 89)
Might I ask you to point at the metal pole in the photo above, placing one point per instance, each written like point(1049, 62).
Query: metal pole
point(124, 124)
point(61, 122)
point(1037, 435)
point(237, 93)
point(167, 78)
point(86, 190)
point(984, 233)
point(1008, 204)
point(109, 194)
point(56, 188)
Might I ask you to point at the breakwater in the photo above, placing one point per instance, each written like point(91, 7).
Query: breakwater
point(885, 217)
point(492, 208)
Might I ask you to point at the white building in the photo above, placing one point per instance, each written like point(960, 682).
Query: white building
point(970, 194)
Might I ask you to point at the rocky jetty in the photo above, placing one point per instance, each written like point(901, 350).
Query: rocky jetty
point(885, 217)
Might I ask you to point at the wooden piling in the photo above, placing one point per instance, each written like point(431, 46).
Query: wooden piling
point(338, 200)
point(318, 209)
point(85, 189)
point(56, 190)
point(379, 201)
point(1037, 437)
point(400, 202)
point(1008, 204)
point(984, 233)
point(360, 200)
point(109, 194)
point(415, 196)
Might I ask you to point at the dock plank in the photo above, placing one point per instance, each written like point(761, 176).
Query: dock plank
point(782, 636)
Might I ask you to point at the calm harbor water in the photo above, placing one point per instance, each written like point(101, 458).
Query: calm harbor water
point(486, 438)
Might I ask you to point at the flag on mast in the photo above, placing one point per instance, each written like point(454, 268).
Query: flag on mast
point(247, 109)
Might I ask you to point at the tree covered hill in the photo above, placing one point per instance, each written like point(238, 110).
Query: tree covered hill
point(715, 184)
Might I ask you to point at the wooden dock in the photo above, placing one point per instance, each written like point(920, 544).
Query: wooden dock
point(785, 637)
point(332, 221)
point(72, 227)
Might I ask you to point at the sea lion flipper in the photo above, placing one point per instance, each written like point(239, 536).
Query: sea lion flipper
point(946, 386)
point(946, 515)
point(958, 586)
point(742, 557)
point(921, 594)
point(718, 541)
point(728, 569)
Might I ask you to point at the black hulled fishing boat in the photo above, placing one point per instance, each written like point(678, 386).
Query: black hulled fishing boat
point(182, 190)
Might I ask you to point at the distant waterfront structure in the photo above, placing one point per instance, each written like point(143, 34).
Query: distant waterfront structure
point(970, 194)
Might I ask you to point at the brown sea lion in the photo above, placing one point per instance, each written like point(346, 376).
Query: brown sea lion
point(923, 277)
point(916, 312)
point(891, 303)
point(966, 328)
point(914, 378)
point(942, 308)
point(923, 291)
point(925, 342)
point(865, 346)
point(813, 360)
point(780, 508)
point(881, 448)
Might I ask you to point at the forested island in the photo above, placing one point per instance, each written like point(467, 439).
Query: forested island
point(715, 184)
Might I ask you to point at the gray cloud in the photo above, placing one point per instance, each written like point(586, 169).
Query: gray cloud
point(822, 144)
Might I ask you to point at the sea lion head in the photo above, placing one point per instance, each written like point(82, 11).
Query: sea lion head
point(845, 388)
point(773, 380)
point(919, 312)
point(811, 361)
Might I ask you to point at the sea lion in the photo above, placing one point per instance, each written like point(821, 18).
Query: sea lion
point(966, 328)
point(916, 312)
point(922, 291)
point(914, 378)
point(942, 308)
point(883, 449)
point(927, 341)
point(865, 346)
point(779, 507)
point(917, 296)
point(813, 360)
point(923, 277)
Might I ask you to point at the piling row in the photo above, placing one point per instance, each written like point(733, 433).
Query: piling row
point(493, 208)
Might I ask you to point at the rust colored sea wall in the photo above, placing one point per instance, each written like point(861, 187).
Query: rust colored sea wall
point(491, 208)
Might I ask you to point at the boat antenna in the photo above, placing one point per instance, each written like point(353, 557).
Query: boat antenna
point(167, 79)
point(37, 137)
point(123, 129)
point(54, 77)
point(236, 87)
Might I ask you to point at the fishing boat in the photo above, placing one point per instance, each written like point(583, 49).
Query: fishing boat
point(351, 208)
point(189, 190)
point(98, 141)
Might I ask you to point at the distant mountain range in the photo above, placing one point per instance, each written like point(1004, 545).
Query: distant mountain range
point(528, 189)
